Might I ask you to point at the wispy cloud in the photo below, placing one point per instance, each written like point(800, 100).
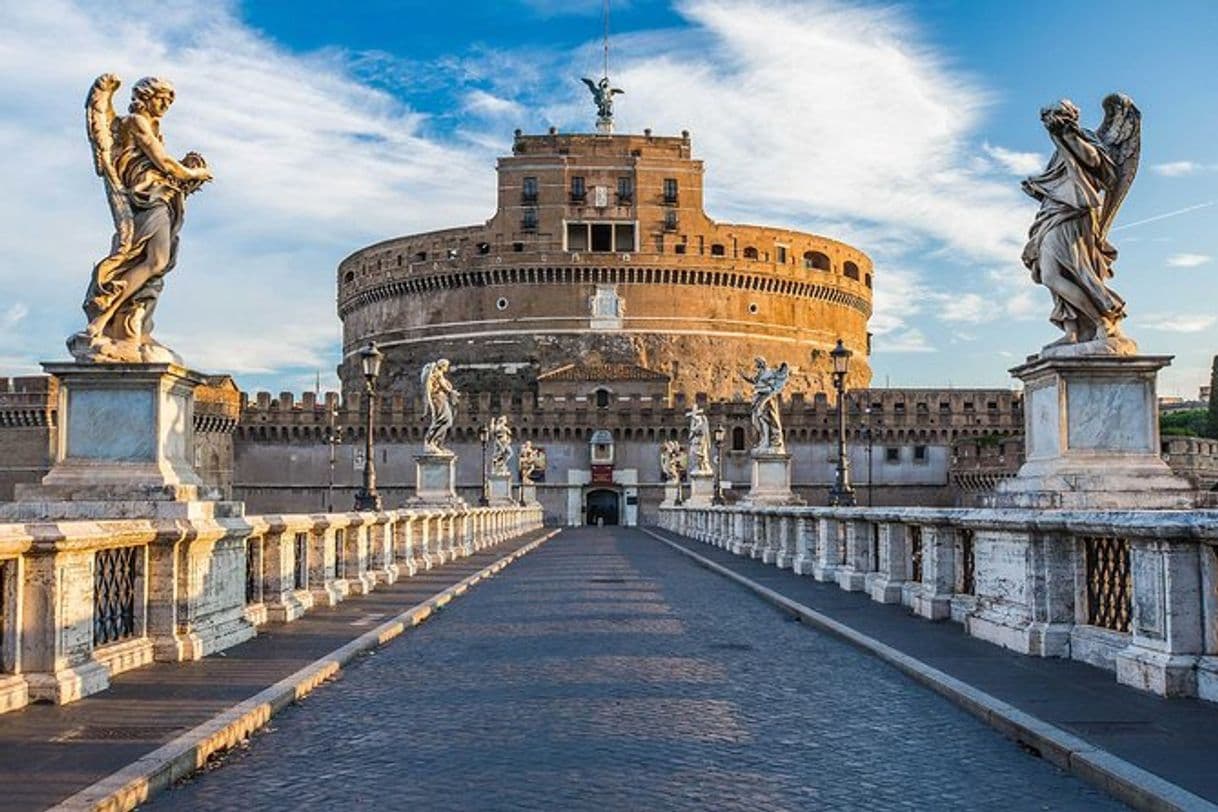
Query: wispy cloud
point(1178, 322)
point(911, 340)
point(1165, 215)
point(1177, 169)
point(1016, 163)
point(1187, 260)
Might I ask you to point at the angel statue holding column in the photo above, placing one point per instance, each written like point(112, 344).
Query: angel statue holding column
point(439, 404)
point(1080, 192)
point(146, 189)
point(768, 383)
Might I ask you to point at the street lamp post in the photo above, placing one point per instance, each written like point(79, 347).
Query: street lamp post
point(484, 434)
point(841, 494)
point(720, 432)
point(367, 498)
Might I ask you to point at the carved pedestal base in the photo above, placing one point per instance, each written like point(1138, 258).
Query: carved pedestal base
point(771, 480)
point(499, 489)
point(701, 490)
point(1092, 437)
point(528, 493)
point(436, 481)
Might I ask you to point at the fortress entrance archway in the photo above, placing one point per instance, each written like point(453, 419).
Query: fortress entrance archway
point(602, 506)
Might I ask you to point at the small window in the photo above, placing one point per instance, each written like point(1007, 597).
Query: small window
point(577, 236)
point(679, 248)
point(850, 270)
point(602, 237)
point(816, 261)
point(780, 254)
point(670, 190)
point(899, 408)
point(528, 192)
point(968, 406)
point(623, 237)
point(602, 398)
point(919, 453)
point(518, 247)
point(750, 252)
point(484, 248)
point(922, 408)
point(349, 276)
point(421, 256)
point(670, 220)
point(944, 406)
point(867, 280)
point(892, 455)
point(579, 192)
point(717, 250)
point(992, 405)
point(529, 223)
point(625, 191)
point(738, 439)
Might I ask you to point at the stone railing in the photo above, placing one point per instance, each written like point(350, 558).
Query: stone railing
point(1135, 592)
point(82, 601)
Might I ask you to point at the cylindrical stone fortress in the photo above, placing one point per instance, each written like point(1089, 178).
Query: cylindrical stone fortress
point(600, 253)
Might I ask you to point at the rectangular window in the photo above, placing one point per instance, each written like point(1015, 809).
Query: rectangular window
point(602, 237)
point(919, 453)
point(625, 191)
point(670, 221)
point(529, 190)
point(529, 223)
point(623, 238)
point(577, 236)
point(579, 192)
point(892, 455)
point(780, 254)
point(670, 190)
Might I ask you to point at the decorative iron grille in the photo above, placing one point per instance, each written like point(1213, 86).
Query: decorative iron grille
point(1109, 583)
point(340, 562)
point(300, 561)
point(915, 553)
point(253, 579)
point(968, 563)
point(115, 573)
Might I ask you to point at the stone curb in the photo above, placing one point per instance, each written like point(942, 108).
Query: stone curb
point(1122, 779)
point(155, 771)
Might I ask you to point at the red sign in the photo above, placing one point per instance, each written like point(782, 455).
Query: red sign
point(602, 474)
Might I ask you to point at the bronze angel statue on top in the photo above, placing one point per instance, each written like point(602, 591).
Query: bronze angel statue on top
point(146, 189)
point(602, 97)
point(1080, 192)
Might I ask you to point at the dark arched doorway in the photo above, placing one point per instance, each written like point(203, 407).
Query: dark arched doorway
point(602, 507)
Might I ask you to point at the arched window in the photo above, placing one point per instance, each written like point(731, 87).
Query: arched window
point(602, 398)
point(349, 276)
point(738, 438)
point(851, 270)
point(867, 280)
point(815, 260)
point(717, 250)
point(750, 252)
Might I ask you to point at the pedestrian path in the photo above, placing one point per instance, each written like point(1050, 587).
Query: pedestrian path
point(606, 671)
point(1173, 739)
point(48, 752)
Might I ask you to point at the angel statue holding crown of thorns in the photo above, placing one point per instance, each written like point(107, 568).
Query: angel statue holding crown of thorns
point(146, 189)
point(1080, 192)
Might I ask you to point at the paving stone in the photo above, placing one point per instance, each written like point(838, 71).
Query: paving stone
point(605, 671)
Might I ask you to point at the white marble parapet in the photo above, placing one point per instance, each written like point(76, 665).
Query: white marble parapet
point(1127, 590)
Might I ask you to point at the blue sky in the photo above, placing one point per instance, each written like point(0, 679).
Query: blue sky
point(903, 128)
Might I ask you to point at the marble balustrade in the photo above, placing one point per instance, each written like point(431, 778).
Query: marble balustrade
point(1135, 592)
point(81, 601)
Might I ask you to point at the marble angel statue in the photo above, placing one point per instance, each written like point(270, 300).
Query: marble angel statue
point(531, 460)
point(501, 435)
point(699, 442)
point(439, 402)
point(768, 383)
point(1080, 192)
point(671, 461)
point(602, 96)
point(146, 189)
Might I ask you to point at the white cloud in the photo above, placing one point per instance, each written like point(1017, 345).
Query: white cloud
point(1187, 260)
point(911, 340)
point(1178, 322)
point(1016, 163)
point(482, 103)
point(1177, 169)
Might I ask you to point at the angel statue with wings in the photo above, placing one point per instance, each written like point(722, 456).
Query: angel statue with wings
point(531, 461)
point(699, 441)
point(602, 96)
point(672, 464)
point(1080, 192)
point(439, 402)
point(768, 383)
point(146, 189)
point(501, 433)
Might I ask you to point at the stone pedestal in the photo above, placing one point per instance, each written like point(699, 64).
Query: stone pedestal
point(436, 481)
point(671, 493)
point(701, 490)
point(125, 448)
point(499, 489)
point(1092, 437)
point(528, 493)
point(771, 480)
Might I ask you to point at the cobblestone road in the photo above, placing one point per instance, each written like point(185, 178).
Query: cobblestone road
point(605, 671)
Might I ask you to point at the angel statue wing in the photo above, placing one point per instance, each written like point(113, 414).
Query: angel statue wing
point(781, 375)
point(429, 410)
point(1121, 135)
point(596, 91)
point(101, 126)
